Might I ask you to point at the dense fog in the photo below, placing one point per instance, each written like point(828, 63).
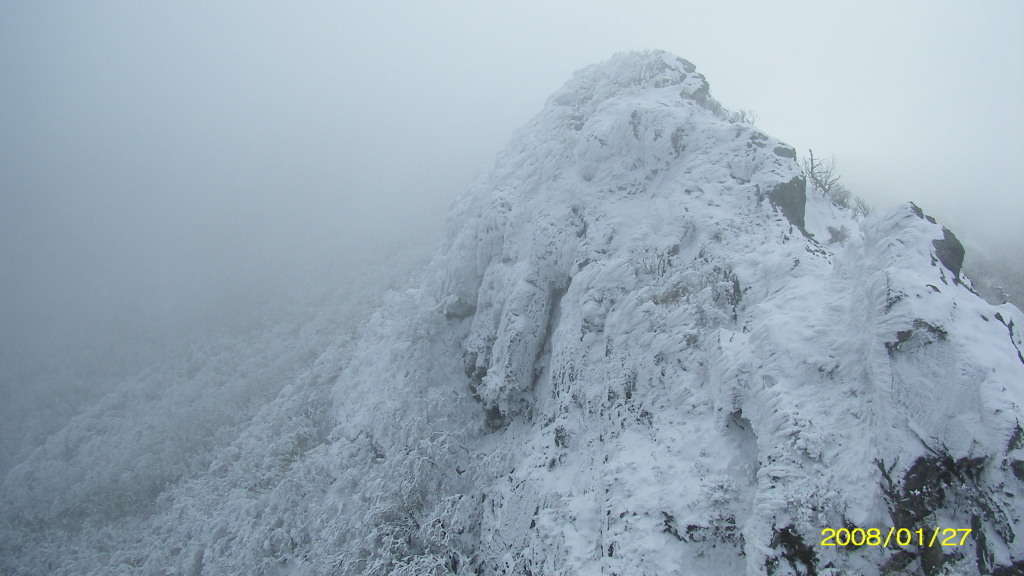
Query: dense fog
point(202, 205)
point(168, 173)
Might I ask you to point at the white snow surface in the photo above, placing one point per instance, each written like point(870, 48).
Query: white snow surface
point(625, 359)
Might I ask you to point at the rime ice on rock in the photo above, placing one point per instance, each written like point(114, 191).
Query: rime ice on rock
point(636, 354)
point(683, 378)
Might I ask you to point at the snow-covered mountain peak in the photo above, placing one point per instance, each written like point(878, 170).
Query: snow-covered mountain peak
point(626, 165)
point(632, 72)
point(665, 330)
point(644, 347)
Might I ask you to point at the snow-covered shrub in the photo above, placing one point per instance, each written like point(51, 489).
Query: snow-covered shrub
point(838, 234)
point(861, 207)
point(839, 195)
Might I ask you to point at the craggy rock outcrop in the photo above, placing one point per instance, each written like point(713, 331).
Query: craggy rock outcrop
point(677, 383)
point(791, 198)
point(950, 252)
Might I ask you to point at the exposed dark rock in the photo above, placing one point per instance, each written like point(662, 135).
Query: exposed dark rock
point(923, 491)
point(933, 559)
point(892, 299)
point(901, 337)
point(688, 66)
point(950, 252)
point(897, 562)
point(1017, 440)
point(1013, 341)
point(922, 333)
point(677, 141)
point(493, 418)
point(702, 94)
point(668, 525)
point(785, 151)
point(791, 198)
point(1018, 469)
point(920, 213)
point(800, 556)
point(561, 437)
point(933, 483)
point(936, 332)
point(924, 485)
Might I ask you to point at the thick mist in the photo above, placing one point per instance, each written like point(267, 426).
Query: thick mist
point(173, 171)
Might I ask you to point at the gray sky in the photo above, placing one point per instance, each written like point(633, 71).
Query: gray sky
point(159, 160)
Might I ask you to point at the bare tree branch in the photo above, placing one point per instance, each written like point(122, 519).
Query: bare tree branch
point(822, 173)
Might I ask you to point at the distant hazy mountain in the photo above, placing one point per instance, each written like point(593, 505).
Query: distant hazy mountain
point(998, 278)
point(645, 348)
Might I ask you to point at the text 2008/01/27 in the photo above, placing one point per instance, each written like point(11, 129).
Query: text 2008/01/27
point(902, 537)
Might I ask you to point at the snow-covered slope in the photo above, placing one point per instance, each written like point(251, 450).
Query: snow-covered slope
point(637, 353)
point(676, 374)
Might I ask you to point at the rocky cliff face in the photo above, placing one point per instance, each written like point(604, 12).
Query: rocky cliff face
point(642, 350)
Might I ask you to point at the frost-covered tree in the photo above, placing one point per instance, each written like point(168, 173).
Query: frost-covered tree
point(822, 173)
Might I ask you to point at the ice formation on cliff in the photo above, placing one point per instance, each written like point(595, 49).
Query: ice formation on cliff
point(637, 353)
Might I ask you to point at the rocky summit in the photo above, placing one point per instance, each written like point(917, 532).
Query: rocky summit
point(648, 346)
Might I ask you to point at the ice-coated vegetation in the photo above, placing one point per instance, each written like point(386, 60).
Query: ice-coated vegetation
point(642, 349)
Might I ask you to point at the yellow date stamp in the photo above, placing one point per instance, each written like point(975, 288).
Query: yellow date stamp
point(902, 537)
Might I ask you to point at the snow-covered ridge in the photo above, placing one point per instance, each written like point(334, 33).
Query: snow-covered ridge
point(612, 165)
point(637, 352)
point(656, 331)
